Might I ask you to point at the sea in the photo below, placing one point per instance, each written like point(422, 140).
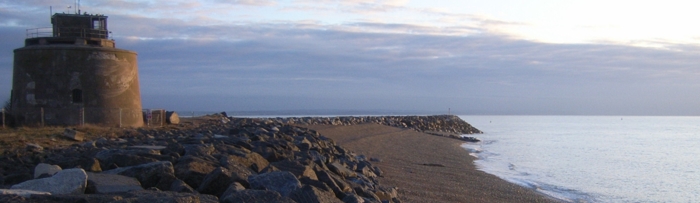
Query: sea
point(593, 158)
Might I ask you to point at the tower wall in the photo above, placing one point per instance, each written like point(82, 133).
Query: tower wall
point(64, 84)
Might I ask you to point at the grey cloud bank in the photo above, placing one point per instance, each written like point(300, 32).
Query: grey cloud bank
point(304, 66)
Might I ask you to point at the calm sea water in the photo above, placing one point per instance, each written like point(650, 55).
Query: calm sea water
point(594, 158)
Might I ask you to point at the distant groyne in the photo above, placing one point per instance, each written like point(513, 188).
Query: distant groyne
point(441, 125)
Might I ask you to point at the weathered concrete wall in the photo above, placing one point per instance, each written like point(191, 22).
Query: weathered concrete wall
point(61, 79)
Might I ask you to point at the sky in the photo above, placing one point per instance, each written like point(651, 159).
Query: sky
point(535, 57)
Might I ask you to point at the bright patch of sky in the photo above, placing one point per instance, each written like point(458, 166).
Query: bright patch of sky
point(566, 21)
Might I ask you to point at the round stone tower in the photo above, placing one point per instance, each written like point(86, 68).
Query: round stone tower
point(74, 75)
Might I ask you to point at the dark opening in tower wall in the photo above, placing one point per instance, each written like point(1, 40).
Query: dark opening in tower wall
point(77, 96)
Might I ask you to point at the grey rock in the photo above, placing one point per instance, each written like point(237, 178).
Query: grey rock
point(69, 181)
point(48, 169)
point(341, 170)
point(251, 160)
point(233, 188)
point(298, 169)
point(316, 183)
point(90, 144)
point(101, 141)
point(216, 182)
point(378, 171)
point(34, 147)
point(198, 150)
point(367, 172)
point(74, 134)
point(283, 182)
point(256, 196)
point(171, 183)
point(180, 186)
point(98, 183)
point(387, 194)
point(336, 183)
point(365, 193)
point(15, 178)
point(353, 198)
point(123, 158)
point(312, 194)
point(23, 193)
point(193, 170)
point(120, 141)
point(148, 174)
point(149, 147)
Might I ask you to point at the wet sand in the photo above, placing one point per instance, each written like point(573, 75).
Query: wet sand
point(427, 168)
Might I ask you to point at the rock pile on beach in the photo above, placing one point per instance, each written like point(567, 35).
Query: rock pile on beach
point(442, 125)
point(224, 160)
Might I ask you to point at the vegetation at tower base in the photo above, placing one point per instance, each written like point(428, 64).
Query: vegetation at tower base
point(7, 118)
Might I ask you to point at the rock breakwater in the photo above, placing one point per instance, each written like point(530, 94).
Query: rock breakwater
point(441, 125)
point(221, 160)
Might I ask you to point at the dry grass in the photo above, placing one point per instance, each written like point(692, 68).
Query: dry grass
point(15, 138)
point(52, 136)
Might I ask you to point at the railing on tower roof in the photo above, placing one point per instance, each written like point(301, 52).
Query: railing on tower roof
point(67, 32)
point(39, 32)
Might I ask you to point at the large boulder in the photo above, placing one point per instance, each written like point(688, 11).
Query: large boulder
point(148, 174)
point(172, 183)
point(74, 134)
point(251, 160)
point(98, 183)
point(45, 169)
point(337, 184)
point(69, 181)
point(341, 170)
point(298, 169)
point(122, 158)
point(232, 189)
point(193, 170)
point(216, 182)
point(171, 117)
point(239, 172)
point(283, 182)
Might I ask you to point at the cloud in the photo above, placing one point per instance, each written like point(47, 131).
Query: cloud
point(253, 2)
point(491, 72)
point(349, 6)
